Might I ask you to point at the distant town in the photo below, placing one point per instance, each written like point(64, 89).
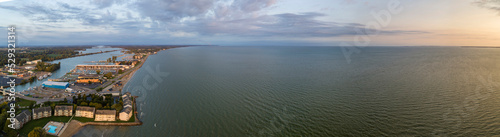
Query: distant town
point(90, 94)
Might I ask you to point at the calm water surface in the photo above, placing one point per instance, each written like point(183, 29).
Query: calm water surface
point(313, 91)
point(69, 64)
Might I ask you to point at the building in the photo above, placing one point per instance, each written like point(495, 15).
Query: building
point(138, 56)
point(42, 112)
point(127, 110)
point(63, 111)
point(33, 62)
point(21, 119)
point(105, 115)
point(29, 68)
point(83, 111)
point(53, 84)
point(87, 78)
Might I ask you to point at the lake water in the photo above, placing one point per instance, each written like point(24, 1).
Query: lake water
point(313, 91)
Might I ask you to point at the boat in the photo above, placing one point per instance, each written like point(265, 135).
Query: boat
point(40, 78)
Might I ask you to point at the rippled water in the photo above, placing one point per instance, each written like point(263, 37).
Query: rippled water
point(313, 91)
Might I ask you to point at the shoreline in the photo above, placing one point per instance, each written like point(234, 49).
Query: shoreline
point(74, 126)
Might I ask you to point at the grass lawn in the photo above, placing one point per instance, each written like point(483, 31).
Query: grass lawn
point(40, 123)
point(83, 119)
point(23, 102)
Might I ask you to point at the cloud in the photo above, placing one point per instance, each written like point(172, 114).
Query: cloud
point(168, 10)
point(187, 18)
point(489, 4)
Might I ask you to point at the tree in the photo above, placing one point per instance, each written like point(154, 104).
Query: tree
point(10, 132)
point(22, 62)
point(37, 132)
point(120, 71)
point(84, 104)
point(52, 105)
point(3, 118)
point(108, 75)
point(98, 71)
point(96, 105)
point(90, 82)
point(32, 104)
point(117, 106)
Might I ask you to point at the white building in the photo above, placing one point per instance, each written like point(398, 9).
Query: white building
point(33, 62)
point(127, 110)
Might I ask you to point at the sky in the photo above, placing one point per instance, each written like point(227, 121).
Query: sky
point(254, 22)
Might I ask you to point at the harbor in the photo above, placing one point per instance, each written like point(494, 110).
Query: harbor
point(84, 80)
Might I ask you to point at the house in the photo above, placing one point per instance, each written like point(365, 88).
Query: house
point(42, 112)
point(21, 119)
point(125, 114)
point(105, 115)
point(127, 110)
point(63, 111)
point(83, 111)
point(33, 62)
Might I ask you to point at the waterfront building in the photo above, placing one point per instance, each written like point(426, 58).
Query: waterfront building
point(127, 110)
point(63, 111)
point(105, 115)
point(83, 111)
point(53, 84)
point(42, 112)
point(21, 119)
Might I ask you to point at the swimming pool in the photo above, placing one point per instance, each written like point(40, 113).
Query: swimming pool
point(52, 129)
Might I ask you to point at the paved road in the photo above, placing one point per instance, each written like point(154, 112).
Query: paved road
point(131, 71)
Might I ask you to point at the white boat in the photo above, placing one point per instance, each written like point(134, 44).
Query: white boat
point(45, 76)
point(50, 74)
point(40, 78)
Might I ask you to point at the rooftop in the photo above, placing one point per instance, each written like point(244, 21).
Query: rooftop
point(64, 108)
point(85, 108)
point(23, 115)
point(42, 109)
point(105, 112)
point(55, 83)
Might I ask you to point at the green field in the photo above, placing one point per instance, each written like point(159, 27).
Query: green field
point(23, 102)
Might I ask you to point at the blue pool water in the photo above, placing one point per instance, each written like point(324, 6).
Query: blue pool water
point(52, 129)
